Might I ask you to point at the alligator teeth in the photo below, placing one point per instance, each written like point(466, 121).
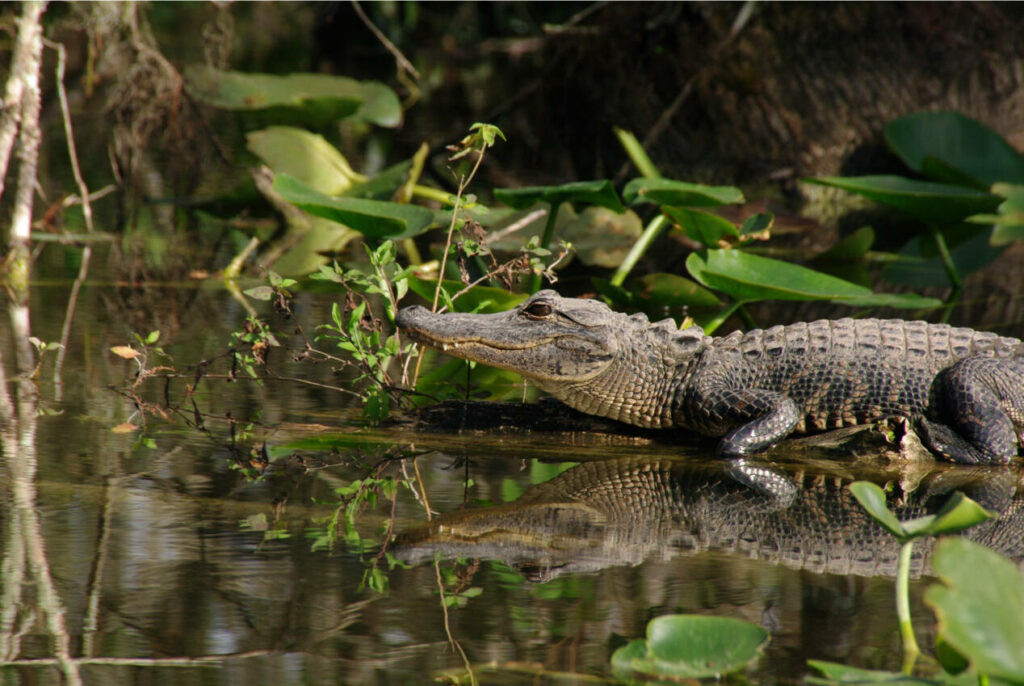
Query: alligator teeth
point(444, 347)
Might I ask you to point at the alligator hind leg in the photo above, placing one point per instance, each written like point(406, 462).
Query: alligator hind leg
point(977, 410)
point(764, 419)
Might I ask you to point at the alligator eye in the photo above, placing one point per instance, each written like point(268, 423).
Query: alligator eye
point(539, 309)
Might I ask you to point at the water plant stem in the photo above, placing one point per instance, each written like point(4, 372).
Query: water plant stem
point(651, 232)
point(911, 651)
point(947, 259)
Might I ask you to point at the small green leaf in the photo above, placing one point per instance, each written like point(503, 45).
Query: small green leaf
point(872, 499)
point(600, 192)
point(926, 200)
point(372, 218)
point(679, 193)
point(757, 223)
point(979, 607)
point(705, 228)
point(153, 337)
point(260, 293)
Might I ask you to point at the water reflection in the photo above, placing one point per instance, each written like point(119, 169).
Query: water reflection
point(627, 511)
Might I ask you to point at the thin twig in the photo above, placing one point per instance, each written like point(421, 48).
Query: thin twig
point(391, 47)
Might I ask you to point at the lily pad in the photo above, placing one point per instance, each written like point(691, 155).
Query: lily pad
point(956, 142)
point(926, 200)
point(372, 218)
point(691, 647)
point(599, 192)
point(600, 237)
point(980, 607)
point(325, 97)
point(306, 156)
point(836, 673)
point(680, 193)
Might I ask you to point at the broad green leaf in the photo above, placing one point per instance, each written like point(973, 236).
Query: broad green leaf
point(919, 264)
point(326, 97)
point(680, 193)
point(383, 185)
point(980, 607)
point(872, 498)
point(926, 200)
point(705, 228)
point(691, 646)
point(959, 513)
point(477, 299)
point(599, 192)
point(373, 218)
point(672, 290)
point(306, 156)
point(748, 277)
point(959, 143)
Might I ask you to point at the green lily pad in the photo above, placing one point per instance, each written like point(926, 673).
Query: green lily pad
point(958, 143)
point(691, 647)
point(748, 277)
point(599, 192)
point(926, 200)
point(836, 673)
point(325, 97)
point(306, 156)
point(980, 607)
point(680, 193)
point(372, 218)
point(705, 228)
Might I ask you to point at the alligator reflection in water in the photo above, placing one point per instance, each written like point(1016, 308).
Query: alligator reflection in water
point(624, 511)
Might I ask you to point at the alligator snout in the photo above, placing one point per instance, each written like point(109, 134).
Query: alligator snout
point(407, 315)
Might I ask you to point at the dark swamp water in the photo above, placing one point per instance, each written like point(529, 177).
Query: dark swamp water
point(141, 553)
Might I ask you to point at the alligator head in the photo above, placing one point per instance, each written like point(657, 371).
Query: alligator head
point(592, 358)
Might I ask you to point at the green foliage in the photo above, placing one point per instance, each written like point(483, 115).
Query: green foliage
point(315, 99)
point(307, 157)
point(666, 192)
point(980, 606)
point(690, 647)
point(970, 173)
point(959, 513)
point(600, 193)
point(372, 218)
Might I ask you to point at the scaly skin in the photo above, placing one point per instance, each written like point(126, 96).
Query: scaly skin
point(964, 389)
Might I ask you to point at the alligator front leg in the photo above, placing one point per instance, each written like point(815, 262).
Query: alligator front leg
point(755, 419)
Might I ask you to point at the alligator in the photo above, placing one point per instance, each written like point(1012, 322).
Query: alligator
point(963, 390)
point(624, 511)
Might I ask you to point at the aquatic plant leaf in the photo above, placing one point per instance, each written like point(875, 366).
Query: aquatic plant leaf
point(918, 263)
point(705, 228)
point(599, 236)
point(979, 607)
point(959, 143)
point(691, 646)
point(836, 673)
point(331, 97)
point(1009, 220)
point(748, 277)
point(600, 192)
point(760, 223)
point(373, 218)
point(680, 193)
point(872, 498)
point(852, 247)
point(926, 200)
point(306, 156)
point(672, 290)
